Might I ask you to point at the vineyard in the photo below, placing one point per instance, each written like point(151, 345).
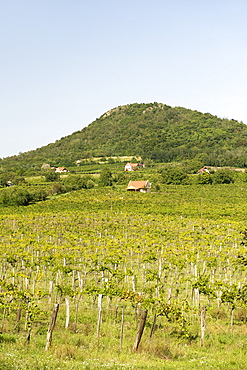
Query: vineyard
point(108, 278)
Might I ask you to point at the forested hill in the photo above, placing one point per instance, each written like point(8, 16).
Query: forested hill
point(155, 131)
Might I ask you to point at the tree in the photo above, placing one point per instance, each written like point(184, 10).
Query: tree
point(3, 179)
point(106, 178)
point(223, 177)
point(192, 166)
point(76, 182)
point(174, 176)
point(51, 176)
point(204, 178)
point(15, 196)
point(38, 194)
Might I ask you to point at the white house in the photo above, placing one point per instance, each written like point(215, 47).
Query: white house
point(61, 169)
point(133, 166)
point(203, 169)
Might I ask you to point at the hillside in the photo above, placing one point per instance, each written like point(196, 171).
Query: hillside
point(155, 131)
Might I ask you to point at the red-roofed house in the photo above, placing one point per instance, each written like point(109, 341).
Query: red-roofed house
point(203, 169)
point(61, 169)
point(142, 186)
point(133, 166)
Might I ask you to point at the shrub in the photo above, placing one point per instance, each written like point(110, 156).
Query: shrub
point(3, 179)
point(174, 176)
point(223, 177)
point(57, 189)
point(204, 178)
point(192, 166)
point(244, 176)
point(120, 178)
point(106, 178)
point(15, 196)
point(38, 194)
point(51, 176)
point(77, 182)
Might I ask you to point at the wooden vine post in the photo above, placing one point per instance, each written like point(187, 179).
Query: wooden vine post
point(140, 330)
point(18, 319)
point(203, 325)
point(121, 330)
point(100, 296)
point(51, 326)
point(153, 326)
point(67, 317)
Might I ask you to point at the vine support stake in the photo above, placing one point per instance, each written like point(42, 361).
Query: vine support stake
point(140, 330)
point(67, 312)
point(51, 326)
point(153, 326)
point(100, 296)
point(121, 330)
point(203, 325)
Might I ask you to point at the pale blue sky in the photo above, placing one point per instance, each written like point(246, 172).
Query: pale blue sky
point(66, 62)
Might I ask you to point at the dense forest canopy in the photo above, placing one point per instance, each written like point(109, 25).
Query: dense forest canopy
point(153, 131)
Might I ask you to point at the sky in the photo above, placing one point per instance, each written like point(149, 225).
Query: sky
point(66, 62)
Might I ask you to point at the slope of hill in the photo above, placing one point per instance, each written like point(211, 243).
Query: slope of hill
point(154, 131)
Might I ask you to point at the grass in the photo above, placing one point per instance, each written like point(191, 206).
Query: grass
point(151, 355)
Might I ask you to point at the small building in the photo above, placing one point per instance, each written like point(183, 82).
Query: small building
point(203, 170)
point(133, 166)
point(61, 169)
point(142, 186)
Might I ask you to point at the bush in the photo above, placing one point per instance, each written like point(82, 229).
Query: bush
point(192, 166)
point(223, 177)
point(120, 178)
point(244, 176)
point(19, 180)
point(4, 178)
point(51, 176)
point(204, 178)
point(15, 196)
point(174, 176)
point(77, 182)
point(57, 189)
point(106, 178)
point(38, 195)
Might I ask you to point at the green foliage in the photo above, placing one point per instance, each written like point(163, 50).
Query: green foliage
point(174, 176)
point(76, 182)
point(51, 176)
point(38, 194)
point(244, 176)
point(204, 286)
point(204, 178)
point(14, 196)
point(138, 251)
point(193, 165)
point(11, 178)
point(17, 196)
point(106, 178)
point(223, 177)
point(57, 188)
point(19, 180)
point(3, 179)
point(120, 178)
point(156, 132)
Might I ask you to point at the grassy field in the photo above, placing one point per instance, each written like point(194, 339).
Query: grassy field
point(107, 255)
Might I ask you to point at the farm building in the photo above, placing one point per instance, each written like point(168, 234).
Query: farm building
point(142, 186)
point(203, 170)
point(133, 166)
point(61, 169)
